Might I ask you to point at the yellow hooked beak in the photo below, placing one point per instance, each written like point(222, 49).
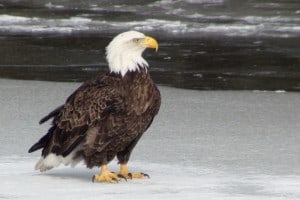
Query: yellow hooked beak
point(151, 43)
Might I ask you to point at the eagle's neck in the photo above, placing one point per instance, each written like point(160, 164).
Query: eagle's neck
point(131, 76)
point(122, 60)
point(124, 64)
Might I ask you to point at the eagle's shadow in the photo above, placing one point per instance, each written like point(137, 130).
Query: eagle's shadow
point(80, 174)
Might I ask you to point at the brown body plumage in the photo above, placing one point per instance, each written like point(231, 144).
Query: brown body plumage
point(107, 116)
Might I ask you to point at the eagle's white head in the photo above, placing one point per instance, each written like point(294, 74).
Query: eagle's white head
point(124, 52)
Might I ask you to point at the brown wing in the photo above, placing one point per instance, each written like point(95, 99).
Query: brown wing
point(89, 104)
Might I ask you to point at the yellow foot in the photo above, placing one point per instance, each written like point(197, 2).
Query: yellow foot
point(125, 172)
point(137, 175)
point(107, 176)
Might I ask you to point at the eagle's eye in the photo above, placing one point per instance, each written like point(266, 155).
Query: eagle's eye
point(136, 40)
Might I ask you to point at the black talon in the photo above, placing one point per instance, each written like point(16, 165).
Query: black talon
point(116, 180)
point(146, 175)
point(93, 179)
point(121, 176)
point(130, 175)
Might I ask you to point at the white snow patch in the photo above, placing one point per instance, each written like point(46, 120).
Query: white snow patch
point(219, 145)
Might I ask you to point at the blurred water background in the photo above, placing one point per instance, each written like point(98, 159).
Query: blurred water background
point(204, 44)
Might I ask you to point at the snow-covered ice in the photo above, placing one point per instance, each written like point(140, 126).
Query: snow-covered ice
point(202, 145)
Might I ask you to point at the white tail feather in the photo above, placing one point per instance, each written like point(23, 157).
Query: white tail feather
point(52, 160)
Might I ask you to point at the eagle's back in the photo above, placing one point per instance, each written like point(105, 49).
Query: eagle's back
point(101, 118)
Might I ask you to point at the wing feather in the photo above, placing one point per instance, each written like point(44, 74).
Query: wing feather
point(88, 105)
point(51, 114)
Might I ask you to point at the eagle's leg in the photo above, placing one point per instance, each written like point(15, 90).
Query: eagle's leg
point(107, 176)
point(125, 172)
point(123, 158)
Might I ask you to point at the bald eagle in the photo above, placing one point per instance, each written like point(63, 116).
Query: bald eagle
point(105, 117)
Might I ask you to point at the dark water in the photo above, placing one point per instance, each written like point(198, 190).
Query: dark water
point(204, 44)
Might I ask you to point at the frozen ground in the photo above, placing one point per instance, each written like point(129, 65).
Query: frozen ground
point(203, 145)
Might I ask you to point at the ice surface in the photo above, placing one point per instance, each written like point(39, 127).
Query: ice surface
point(202, 145)
point(276, 26)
